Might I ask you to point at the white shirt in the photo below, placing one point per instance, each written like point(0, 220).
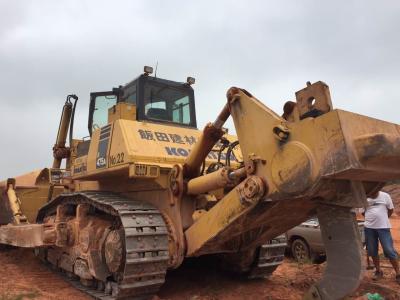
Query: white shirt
point(376, 213)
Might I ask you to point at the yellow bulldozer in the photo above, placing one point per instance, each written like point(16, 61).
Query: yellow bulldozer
point(148, 189)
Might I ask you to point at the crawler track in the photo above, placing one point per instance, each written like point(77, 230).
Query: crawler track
point(258, 262)
point(270, 256)
point(146, 245)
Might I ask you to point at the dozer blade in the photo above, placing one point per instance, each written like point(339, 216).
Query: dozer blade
point(320, 161)
point(345, 266)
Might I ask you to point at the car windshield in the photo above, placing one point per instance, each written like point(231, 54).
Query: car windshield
point(166, 103)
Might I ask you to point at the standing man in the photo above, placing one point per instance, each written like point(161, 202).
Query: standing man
point(377, 228)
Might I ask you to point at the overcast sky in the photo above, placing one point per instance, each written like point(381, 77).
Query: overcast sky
point(49, 49)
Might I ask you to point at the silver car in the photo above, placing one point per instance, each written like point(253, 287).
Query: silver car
point(305, 244)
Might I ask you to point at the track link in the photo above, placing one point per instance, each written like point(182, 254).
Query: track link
point(270, 256)
point(146, 244)
point(258, 262)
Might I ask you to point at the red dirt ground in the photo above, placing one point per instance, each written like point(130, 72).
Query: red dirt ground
point(23, 276)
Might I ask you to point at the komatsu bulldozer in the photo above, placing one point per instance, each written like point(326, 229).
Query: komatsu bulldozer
point(148, 189)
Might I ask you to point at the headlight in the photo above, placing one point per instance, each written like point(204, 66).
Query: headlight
point(148, 70)
point(190, 80)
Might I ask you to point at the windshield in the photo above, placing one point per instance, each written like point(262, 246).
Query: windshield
point(166, 103)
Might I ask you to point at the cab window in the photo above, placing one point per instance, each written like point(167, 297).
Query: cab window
point(181, 111)
point(100, 112)
point(130, 93)
point(131, 99)
point(166, 103)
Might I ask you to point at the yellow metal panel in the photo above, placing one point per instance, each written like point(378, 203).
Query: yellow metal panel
point(32, 190)
point(92, 155)
point(143, 171)
point(212, 223)
point(34, 198)
point(79, 166)
point(122, 110)
point(145, 143)
point(158, 142)
point(98, 156)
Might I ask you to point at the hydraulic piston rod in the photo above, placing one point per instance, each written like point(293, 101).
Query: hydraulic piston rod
point(59, 149)
point(14, 202)
point(209, 182)
point(215, 180)
point(211, 134)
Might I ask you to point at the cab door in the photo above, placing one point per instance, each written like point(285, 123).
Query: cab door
point(100, 103)
point(100, 129)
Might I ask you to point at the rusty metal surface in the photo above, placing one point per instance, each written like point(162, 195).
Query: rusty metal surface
point(345, 267)
point(313, 100)
point(27, 180)
point(176, 249)
point(114, 250)
point(138, 270)
point(222, 117)
point(24, 235)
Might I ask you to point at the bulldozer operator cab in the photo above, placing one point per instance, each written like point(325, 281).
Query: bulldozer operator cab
point(147, 99)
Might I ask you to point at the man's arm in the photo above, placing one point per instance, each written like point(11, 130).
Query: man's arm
point(389, 205)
